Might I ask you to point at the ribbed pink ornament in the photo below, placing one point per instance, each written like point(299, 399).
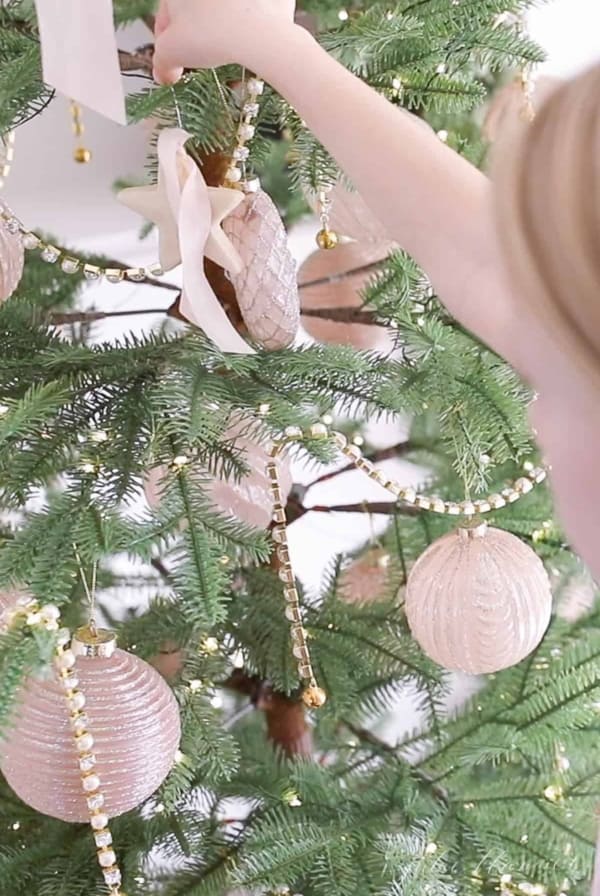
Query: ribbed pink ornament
point(478, 600)
point(249, 498)
point(11, 262)
point(340, 288)
point(133, 718)
point(266, 287)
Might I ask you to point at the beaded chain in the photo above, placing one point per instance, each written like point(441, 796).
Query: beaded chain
point(236, 175)
point(47, 617)
point(313, 695)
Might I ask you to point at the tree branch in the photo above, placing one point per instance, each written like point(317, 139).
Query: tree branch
point(76, 317)
point(139, 60)
point(398, 450)
point(285, 716)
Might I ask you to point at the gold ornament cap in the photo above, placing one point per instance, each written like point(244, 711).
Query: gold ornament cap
point(473, 529)
point(93, 642)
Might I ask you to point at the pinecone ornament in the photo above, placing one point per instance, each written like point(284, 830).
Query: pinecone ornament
point(266, 288)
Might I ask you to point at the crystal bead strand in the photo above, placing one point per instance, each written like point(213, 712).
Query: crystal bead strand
point(236, 175)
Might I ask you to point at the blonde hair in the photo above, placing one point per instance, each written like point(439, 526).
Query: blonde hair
point(548, 208)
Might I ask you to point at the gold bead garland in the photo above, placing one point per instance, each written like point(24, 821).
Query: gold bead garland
point(313, 695)
point(47, 618)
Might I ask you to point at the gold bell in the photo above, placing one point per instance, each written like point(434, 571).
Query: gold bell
point(314, 697)
point(327, 239)
point(82, 155)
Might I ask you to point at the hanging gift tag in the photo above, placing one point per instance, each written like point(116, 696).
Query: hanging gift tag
point(79, 53)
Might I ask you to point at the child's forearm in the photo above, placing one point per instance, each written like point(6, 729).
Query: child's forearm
point(435, 204)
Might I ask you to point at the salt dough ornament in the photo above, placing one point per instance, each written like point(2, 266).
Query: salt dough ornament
point(266, 286)
point(134, 735)
point(478, 600)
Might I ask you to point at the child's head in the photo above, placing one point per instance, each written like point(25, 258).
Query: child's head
point(548, 212)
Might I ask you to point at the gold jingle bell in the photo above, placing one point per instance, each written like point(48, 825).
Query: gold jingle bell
point(314, 697)
point(327, 239)
point(82, 155)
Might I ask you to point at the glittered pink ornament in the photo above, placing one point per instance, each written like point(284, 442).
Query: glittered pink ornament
point(132, 718)
point(11, 261)
point(266, 287)
point(365, 580)
point(334, 279)
point(478, 600)
point(247, 498)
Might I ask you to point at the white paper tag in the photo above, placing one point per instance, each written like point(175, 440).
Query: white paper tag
point(79, 53)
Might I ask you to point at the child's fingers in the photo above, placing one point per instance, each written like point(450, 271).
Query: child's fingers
point(165, 67)
point(162, 18)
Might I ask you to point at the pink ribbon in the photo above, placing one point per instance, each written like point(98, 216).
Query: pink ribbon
point(79, 53)
point(190, 206)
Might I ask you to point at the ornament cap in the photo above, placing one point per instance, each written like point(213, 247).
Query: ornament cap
point(473, 529)
point(93, 642)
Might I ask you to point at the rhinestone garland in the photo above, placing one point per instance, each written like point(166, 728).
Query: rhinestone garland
point(70, 264)
point(47, 617)
point(313, 695)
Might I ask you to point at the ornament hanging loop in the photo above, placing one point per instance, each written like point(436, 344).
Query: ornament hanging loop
point(89, 640)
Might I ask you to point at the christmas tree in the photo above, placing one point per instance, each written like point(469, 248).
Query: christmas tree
point(273, 790)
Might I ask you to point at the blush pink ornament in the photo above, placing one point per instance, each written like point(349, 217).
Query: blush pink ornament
point(365, 580)
point(350, 216)
point(132, 717)
point(265, 287)
point(478, 600)
point(326, 280)
point(249, 498)
point(11, 261)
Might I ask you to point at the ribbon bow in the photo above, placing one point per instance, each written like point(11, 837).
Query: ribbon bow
point(188, 214)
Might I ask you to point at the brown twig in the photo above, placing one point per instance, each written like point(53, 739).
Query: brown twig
point(381, 746)
point(336, 278)
point(77, 317)
point(139, 60)
point(385, 507)
point(394, 451)
point(285, 716)
point(346, 315)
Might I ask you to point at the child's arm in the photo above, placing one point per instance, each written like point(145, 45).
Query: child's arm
point(434, 203)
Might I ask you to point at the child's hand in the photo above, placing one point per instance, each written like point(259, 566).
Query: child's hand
point(208, 33)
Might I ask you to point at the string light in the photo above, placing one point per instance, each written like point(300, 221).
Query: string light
point(209, 645)
point(554, 793)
